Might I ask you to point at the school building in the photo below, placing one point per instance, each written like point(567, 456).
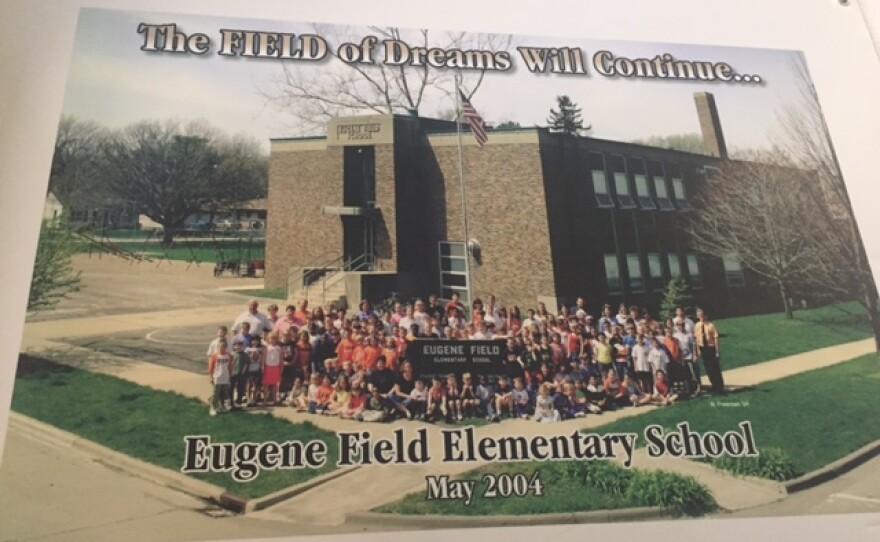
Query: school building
point(375, 207)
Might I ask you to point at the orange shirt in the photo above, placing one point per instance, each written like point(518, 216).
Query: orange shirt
point(391, 356)
point(324, 394)
point(345, 350)
point(370, 355)
point(357, 356)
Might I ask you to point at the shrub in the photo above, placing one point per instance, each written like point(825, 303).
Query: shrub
point(771, 463)
point(608, 477)
point(677, 493)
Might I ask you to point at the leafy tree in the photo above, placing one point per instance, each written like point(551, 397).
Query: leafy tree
point(677, 294)
point(567, 119)
point(171, 171)
point(53, 278)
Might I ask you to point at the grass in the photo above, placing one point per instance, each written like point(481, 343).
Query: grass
point(816, 417)
point(200, 250)
point(271, 293)
point(569, 487)
point(150, 425)
point(749, 340)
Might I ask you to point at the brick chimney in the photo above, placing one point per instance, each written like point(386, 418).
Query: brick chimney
point(710, 125)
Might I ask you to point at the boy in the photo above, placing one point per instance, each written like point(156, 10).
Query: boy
point(520, 399)
point(503, 399)
point(222, 332)
point(219, 369)
point(240, 363)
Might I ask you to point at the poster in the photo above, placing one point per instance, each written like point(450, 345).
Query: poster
point(583, 55)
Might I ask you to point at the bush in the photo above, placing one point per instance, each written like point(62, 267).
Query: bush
point(771, 463)
point(677, 493)
point(608, 477)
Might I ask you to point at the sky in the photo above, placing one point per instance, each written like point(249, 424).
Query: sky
point(114, 83)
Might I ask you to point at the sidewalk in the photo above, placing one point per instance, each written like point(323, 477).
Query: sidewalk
point(732, 493)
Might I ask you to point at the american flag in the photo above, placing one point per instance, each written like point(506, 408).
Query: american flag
point(474, 120)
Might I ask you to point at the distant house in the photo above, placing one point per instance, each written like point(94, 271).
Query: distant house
point(52, 208)
point(246, 215)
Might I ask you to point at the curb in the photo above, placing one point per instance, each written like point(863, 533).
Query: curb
point(162, 476)
point(445, 522)
point(834, 469)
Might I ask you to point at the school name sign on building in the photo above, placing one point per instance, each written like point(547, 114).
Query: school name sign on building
point(442, 356)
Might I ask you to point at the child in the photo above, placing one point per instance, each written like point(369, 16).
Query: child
point(503, 399)
point(255, 369)
point(324, 395)
point(222, 331)
point(485, 398)
point(244, 335)
point(419, 400)
point(374, 411)
point(272, 371)
point(453, 398)
point(520, 399)
point(544, 411)
point(312, 393)
point(219, 369)
point(636, 396)
point(663, 396)
point(436, 401)
point(597, 399)
point(356, 404)
point(469, 399)
point(297, 396)
point(340, 398)
point(239, 378)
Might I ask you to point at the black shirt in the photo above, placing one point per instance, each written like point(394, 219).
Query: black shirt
point(383, 380)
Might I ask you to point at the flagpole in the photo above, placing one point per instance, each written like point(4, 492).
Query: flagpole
point(467, 252)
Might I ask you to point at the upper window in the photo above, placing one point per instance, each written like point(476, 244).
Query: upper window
point(733, 270)
point(680, 196)
point(694, 271)
point(600, 180)
point(634, 270)
point(674, 265)
point(662, 194)
point(655, 270)
point(612, 273)
point(621, 186)
point(643, 192)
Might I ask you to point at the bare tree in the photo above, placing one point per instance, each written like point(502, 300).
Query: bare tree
point(315, 94)
point(756, 211)
point(76, 175)
point(804, 136)
point(171, 171)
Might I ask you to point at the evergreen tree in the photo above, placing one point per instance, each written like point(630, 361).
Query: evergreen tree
point(53, 276)
point(677, 295)
point(568, 119)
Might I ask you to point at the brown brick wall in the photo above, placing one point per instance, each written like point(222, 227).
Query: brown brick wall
point(300, 184)
point(386, 222)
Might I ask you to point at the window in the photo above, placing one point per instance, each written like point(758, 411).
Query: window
point(733, 270)
point(621, 186)
point(655, 270)
point(679, 193)
point(662, 194)
point(612, 274)
point(634, 270)
point(600, 187)
point(694, 271)
point(453, 271)
point(674, 265)
point(643, 192)
point(600, 181)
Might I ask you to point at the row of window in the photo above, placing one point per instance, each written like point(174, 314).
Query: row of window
point(633, 271)
point(649, 195)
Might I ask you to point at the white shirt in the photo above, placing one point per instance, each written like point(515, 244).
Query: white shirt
point(259, 323)
point(688, 324)
point(658, 359)
point(640, 358)
point(686, 343)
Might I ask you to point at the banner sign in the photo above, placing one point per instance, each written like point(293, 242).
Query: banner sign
point(437, 356)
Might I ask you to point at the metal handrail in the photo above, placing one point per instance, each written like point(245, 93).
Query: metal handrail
point(322, 259)
point(356, 264)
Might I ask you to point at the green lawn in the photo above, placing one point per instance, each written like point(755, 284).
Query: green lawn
point(816, 417)
point(752, 339)
point(271, 293)
point(202, 250)
point(150, 425)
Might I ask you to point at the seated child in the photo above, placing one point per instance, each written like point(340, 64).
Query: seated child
point(503, 399)
point(485, 398)
point(418, 400)
point(453, 398)
point(469, 399)
point(356, 404)
point(297, 396)
point(520, 398)
point(436, 401)
point(663, 396)
point(544, 410)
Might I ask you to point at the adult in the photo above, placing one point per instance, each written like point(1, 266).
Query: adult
point(288, 323)
point(680, 316)
point(402, 389)
point(259, 322)
point(709, 350)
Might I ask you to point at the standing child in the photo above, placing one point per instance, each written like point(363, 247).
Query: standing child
point(222, 332)
point(240, 363)
point(257, 354)
point(272, 371)
point(219, 369)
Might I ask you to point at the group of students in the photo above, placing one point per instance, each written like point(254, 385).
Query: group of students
point(325, 361)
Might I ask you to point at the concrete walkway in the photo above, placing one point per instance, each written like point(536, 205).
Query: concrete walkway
point(329, 503)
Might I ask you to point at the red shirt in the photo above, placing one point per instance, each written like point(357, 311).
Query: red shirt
point(345, 350)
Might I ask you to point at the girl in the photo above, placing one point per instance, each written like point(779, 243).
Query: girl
point(355, 405)
point(340, 398)
point(469, 399)
point(663, 396)
point(453, 398)
point(297, 396)
point(272, 371)
point(436, 401)
point(324, 395)
point(544, 411)
point(256, 352)
point(312, 393)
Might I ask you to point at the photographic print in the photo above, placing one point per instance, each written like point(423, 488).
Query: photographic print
point(306, 279)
